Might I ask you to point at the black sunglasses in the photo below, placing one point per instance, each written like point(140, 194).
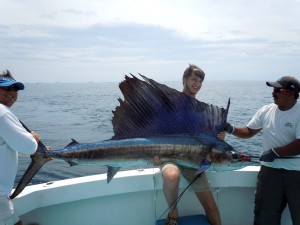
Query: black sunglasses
point(278, 90)
point(10, 88)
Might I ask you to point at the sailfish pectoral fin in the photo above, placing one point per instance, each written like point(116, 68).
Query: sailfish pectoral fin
point(204, 166)
point(111, 172)
point(71, 163)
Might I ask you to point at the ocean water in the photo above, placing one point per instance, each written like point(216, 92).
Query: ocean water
point(61, 111)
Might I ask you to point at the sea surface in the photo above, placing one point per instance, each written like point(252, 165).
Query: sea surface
point(83, 111)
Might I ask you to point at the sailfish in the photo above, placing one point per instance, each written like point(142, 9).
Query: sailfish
point(151, 120)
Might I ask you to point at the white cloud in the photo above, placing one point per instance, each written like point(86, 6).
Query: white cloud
point(195, 19)
point(91, 34)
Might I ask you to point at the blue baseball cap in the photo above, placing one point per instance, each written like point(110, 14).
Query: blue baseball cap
point(7, 81)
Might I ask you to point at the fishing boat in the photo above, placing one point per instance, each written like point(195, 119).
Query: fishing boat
point(135, 197)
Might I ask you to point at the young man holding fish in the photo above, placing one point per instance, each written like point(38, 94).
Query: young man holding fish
point(13, 139)
point(192, 82)
point(278, 182)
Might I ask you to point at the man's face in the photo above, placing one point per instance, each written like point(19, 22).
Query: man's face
point(281, 97)
point(192, 85)
point(8, 95)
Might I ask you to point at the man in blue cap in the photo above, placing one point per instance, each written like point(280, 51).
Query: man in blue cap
point(13, 139)
point(278, 182)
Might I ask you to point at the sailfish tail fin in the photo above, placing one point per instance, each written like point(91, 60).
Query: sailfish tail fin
point(38, 159)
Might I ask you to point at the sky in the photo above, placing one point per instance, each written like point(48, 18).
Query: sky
point(102, 40)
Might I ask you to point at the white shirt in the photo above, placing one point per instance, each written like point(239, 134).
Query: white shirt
point(279, 128)
point(13, 139)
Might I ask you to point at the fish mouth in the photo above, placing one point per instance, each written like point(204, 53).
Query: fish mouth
point(240, 157)
point(224, 157)
point(245, 158)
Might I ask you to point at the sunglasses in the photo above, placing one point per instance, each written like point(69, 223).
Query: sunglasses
point(278, 90)
point(10, 88)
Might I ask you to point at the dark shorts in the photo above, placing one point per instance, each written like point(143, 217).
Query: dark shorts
point(275, 189)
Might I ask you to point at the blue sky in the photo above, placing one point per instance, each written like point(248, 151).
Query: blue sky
point(102, 40)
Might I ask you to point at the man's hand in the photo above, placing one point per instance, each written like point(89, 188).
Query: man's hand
point(36, 137)
point(221, 135)
point(269, 156)
point(229, 128)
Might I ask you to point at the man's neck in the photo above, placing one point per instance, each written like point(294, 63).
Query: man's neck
point(287, 106)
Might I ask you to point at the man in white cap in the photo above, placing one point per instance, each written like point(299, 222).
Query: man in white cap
point(279, 177)
point(13, 139)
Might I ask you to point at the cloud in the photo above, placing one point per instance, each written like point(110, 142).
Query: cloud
point(63, 39)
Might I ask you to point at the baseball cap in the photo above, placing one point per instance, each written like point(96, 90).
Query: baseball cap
point(286, 82)
point(7, 81)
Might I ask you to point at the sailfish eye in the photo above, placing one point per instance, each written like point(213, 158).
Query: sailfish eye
point(234, 155)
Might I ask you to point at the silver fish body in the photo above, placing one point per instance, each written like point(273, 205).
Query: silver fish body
point(189, 150)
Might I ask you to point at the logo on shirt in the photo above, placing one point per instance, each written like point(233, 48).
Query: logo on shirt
point(288, 125)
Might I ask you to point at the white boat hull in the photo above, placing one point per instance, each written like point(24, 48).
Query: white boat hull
point(132, 198)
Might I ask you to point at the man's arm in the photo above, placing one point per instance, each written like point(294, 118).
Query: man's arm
point(241, 132)
point(290, 149)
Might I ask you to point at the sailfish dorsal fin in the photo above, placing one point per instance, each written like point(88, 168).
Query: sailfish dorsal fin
point(150, 108)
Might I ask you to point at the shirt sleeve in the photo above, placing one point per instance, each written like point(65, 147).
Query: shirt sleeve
point(255, 123)
point(14, 134)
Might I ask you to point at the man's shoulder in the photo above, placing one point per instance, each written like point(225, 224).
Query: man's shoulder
point(268, 107)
